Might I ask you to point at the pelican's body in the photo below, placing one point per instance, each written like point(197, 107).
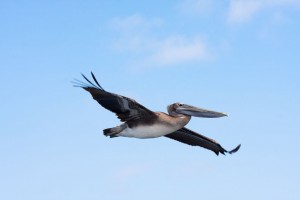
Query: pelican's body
point(140, 122)
point(161, 126)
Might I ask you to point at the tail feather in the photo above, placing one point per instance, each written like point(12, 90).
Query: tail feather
point(113, 132)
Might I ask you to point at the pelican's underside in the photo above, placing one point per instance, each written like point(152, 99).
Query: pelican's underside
point(142, 131)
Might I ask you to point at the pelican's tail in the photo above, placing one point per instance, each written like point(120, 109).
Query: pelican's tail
point(113, 132)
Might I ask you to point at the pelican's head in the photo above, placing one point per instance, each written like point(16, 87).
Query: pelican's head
point(176, 109)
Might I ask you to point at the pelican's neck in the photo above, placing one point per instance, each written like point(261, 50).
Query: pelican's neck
point(176, 121)
point(181, 120)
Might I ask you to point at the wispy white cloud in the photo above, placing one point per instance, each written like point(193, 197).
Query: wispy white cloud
point(133, 32)
point(137, 35)
point(241, 11)
point(178, 49)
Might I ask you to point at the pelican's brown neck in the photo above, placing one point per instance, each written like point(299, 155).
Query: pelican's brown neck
point(180, 120)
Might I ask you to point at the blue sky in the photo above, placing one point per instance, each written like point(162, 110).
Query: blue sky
point(238, 57)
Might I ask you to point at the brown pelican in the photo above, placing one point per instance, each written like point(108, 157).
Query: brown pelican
point(140, 122)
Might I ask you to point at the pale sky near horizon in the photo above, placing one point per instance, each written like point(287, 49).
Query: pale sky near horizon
point(238, 57)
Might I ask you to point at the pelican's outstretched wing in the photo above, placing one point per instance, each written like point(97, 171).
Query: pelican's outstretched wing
point(190, 137)
point(125, 108)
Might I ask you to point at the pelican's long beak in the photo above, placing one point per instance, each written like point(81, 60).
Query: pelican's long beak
point(198, 112)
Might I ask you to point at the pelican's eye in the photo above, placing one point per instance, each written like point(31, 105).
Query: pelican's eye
point(180, 104)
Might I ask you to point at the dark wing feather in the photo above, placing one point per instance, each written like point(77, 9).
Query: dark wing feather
point(190, 137)
point(125, 108)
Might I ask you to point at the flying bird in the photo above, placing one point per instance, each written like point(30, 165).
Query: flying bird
point(140, 122)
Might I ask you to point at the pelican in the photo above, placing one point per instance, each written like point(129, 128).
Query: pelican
point(140, 122)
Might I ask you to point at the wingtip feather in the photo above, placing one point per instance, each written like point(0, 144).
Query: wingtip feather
point(92, 84)
point(235, 149)
point(96, 81)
